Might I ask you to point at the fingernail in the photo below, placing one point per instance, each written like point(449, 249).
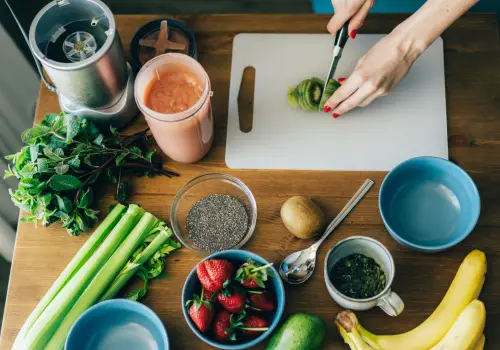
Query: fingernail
point(327, 109)
point(341, 80)
point(353, 33)
point(336, 115)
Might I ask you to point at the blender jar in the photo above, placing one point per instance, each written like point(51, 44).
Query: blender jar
point(185, 136)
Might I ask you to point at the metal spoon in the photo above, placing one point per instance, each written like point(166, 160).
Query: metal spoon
point(298, 267)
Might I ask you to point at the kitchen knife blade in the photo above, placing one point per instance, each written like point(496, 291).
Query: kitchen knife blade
point(339, 44)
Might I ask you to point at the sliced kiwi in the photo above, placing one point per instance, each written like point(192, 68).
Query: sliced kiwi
point(306, 95)
point(330, 88)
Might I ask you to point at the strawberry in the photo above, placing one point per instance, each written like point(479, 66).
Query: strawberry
point(201, 312)
point(231, 300)
point(222, 328)
point(253, 326)
point(261, 301)
point(213, 273)
point(252, 275)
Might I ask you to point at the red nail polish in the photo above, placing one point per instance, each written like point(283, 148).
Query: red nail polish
point(327, 109)
point(336, 115)
point(353, 33)
point(341, 80)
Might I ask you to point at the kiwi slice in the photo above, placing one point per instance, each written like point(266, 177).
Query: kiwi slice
point(330, 88)
point(306, 95)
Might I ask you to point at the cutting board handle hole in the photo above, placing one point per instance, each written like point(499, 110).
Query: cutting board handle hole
point(245, 99)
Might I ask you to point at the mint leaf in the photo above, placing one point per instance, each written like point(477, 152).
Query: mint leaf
point(64, 204)
point(98, 140)
point(64, 183)
point(74, 162)
point(43, 165)
point(29, 170)
point(49, 153)
point(31, 135)
point(62, 168)
point(87, 199)
point(72, 126)
point(34, 152)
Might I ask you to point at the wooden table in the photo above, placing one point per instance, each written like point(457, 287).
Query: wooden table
point(472, 62)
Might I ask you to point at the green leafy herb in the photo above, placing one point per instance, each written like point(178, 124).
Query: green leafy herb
point(358, 276)
point(63, 157)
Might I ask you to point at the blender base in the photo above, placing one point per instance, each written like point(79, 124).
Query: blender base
point(117, 115)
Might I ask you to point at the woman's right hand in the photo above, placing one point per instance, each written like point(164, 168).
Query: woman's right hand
point(353, 10)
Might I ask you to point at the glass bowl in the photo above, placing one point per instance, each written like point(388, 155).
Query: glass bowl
point(201, 187)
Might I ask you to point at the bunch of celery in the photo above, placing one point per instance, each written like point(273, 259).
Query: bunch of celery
point(128, 241)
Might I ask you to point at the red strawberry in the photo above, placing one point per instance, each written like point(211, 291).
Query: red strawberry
point(213, 273)
point(201, 312)
point(262, 301)
point(222, 328)
point(253, 326)
point(252, 275)
point(231, 300)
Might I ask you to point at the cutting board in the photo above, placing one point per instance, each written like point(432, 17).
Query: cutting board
point(409, 122)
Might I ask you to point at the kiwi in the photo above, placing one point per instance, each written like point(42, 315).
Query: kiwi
point(307, 95)
point(330, 89)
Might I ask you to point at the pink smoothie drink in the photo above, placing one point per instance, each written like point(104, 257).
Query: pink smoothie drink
point(173, 92)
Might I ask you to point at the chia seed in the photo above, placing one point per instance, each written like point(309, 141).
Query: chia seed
point(217, 222)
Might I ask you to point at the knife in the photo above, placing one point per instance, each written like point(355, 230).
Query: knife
point(339, 43)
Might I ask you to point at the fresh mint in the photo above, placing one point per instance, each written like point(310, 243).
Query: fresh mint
point(64, 157)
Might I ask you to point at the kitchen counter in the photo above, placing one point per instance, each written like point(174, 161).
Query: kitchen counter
point(472, 67)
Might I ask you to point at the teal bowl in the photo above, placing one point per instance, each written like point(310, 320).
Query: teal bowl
point(192, 286)
point(429, 204)
point(118, 324)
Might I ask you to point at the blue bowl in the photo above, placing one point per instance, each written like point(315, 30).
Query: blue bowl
point(193, 286)
point(429, 204)
point(116, 325)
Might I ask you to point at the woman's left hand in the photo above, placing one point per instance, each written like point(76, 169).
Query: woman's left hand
point(376, 74)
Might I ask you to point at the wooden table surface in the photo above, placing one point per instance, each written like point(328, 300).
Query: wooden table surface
point(472, 65)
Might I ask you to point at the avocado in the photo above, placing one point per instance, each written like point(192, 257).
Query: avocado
point(300, 331)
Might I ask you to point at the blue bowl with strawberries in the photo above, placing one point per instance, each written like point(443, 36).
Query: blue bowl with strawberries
point(233, 299)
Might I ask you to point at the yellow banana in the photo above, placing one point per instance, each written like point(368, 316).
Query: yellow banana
point(465, 287)
point(466, 330)
point(480, 343)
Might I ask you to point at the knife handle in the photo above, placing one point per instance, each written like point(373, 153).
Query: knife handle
point(342, 36)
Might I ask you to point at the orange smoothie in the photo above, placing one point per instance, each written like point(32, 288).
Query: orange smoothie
point(173, 92)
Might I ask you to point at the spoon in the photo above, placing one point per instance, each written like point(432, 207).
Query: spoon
point(298, 267)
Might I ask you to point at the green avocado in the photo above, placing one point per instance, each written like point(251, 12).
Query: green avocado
point(300, 331)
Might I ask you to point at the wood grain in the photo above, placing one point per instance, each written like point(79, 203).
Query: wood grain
point(472, 53)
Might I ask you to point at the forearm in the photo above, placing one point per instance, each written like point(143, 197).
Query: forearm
point(420, 30)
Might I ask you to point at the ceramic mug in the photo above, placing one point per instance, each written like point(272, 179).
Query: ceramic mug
point(387, 300)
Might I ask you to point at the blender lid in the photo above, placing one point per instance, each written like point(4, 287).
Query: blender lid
point(161, 36)
point(72, 34)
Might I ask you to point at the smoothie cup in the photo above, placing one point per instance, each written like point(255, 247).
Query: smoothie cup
point(184, 136)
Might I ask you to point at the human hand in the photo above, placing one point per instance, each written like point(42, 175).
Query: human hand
point(353, 10)
point(376, 74)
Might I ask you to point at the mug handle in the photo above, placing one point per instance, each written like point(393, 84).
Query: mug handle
point(391, 303)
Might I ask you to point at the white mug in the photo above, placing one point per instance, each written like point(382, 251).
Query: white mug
point(387, 300)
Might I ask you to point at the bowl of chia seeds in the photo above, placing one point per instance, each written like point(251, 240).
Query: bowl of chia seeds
point(214, 212)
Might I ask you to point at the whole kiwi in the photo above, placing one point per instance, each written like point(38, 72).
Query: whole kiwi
point(302, 217)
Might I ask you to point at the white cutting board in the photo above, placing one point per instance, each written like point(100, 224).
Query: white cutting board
point(409, 122)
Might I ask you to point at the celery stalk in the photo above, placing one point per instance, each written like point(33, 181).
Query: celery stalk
point(52, 316)
point(102, 280)
point(71, 269)
point(131, 268)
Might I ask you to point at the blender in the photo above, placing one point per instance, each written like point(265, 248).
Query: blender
point(77, 44)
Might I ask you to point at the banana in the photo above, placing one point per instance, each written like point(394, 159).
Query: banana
point(465, 287)
point(480, 343)
point(466, 330)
